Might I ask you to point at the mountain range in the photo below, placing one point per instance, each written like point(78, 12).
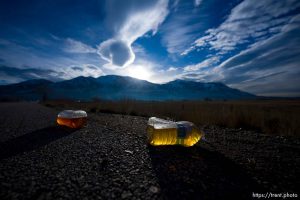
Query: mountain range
point(112, 87)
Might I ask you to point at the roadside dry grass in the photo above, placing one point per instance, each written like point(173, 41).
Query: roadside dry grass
point(276, 117)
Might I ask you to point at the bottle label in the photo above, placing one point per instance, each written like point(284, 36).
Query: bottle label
point(181, 131)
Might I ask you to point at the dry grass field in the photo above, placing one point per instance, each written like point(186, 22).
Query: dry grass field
point(275, 117)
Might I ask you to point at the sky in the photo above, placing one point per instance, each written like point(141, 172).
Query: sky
point(251, 45)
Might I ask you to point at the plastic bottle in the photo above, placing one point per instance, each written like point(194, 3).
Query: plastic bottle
point(72, 118)
point(164, 132)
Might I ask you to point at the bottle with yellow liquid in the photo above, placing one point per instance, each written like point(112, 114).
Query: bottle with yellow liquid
point(164, 132)
point(72, 118)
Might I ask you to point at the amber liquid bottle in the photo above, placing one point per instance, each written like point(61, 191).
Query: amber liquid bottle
point(163, 132)
point(72, 118)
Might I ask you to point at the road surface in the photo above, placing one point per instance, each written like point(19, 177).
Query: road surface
point(110, 159)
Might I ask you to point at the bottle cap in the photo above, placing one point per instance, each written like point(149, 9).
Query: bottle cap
point(71, 114)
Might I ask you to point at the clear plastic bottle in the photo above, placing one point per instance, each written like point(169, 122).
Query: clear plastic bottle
point(72, 118)
point(164, 132)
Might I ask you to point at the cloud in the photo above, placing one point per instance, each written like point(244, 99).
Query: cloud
point(204, 64)
point(116, 52)
point(250, 20)
point(12, 75)
point(182, 27)
point(197, 2)
point(21, 56)
point(74, 46)
point(76, 68)
point(128, 21)
point(269, 67)
point(92, 67)
point(82, 70)
point(26, 62)
point(203, 74)
point(171, 69)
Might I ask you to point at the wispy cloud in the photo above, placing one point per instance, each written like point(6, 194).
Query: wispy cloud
point(170, 69)
point(30, 63)
point(209, 62)
point(182, 27)
point(248, 21)
point(74, 46)
point(197, 2)
point(269, 67)
point(252, 69)
point(77, 68)
point(82, 70)
point(10, 75)
point(130, 20)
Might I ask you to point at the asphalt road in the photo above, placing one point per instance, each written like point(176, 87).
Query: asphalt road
point(110, 159)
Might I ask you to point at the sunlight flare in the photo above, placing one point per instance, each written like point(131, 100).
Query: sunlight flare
point(140, 72)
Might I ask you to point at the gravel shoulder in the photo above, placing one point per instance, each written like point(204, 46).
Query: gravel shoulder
point(110, 159)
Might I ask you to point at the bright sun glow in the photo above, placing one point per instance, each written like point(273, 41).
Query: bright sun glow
point(140, 73)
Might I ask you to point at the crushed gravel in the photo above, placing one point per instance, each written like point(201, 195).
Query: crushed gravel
point(110, 159)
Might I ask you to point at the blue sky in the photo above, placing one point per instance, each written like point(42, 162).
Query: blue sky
point(251, 45)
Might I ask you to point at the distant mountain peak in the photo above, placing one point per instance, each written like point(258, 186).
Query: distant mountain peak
point(113, 87)
point(34, 81)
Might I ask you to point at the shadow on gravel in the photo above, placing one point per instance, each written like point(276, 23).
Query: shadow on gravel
point(33, 140)
point(197, 173)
